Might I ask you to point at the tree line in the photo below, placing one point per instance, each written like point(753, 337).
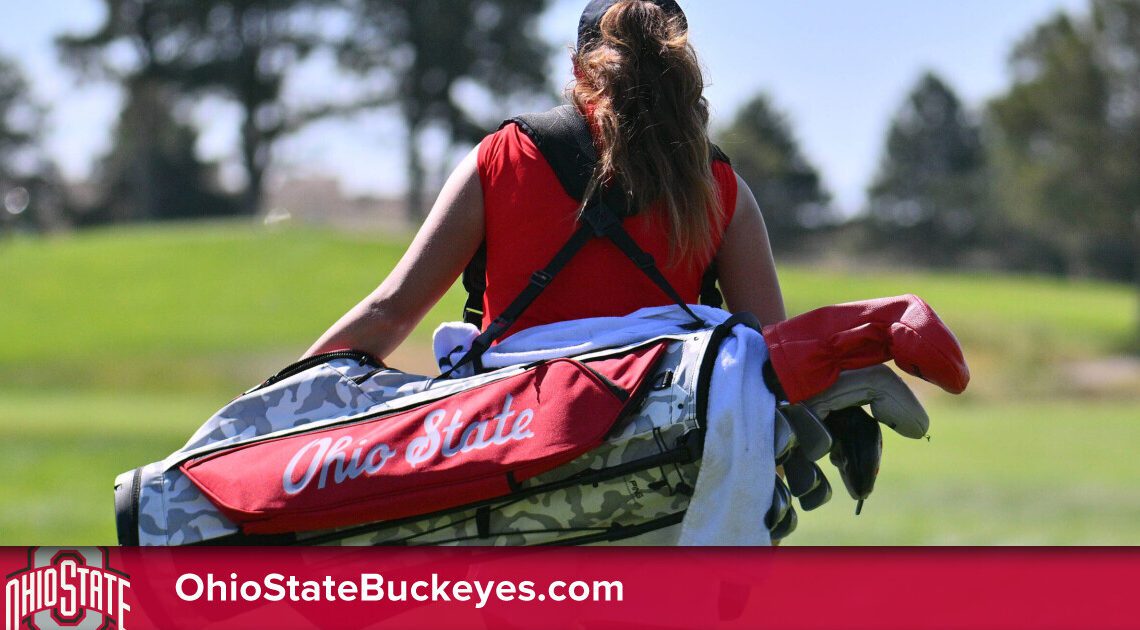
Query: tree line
point(1043, 177)
point(403, 56)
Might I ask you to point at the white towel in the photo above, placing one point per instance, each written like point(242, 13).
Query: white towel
point(450, 342)
point(734, 488)
point(735, 485)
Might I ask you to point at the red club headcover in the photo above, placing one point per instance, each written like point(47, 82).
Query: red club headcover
point(809, 351)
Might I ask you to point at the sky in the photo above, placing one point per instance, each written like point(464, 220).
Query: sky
point(838, 69)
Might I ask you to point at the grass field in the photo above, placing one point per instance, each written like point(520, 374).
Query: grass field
point(117, 344)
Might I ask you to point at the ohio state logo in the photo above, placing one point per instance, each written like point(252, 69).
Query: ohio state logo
point(322, 456)
point(66, 588)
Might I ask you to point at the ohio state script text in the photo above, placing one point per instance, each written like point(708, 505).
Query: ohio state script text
point(315, 460)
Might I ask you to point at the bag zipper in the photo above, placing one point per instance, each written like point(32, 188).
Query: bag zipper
point(304, 364)
point(206, 451)
point(615, 389)
point(317, 359)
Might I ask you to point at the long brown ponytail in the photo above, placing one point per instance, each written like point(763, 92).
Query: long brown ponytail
point(642, 84)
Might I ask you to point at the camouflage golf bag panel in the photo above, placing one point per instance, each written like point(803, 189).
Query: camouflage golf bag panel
point(644, 471)
point(157, 505)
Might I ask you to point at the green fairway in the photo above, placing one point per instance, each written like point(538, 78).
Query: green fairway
point(61, 450)
point(1039, 473)
point(116, 344)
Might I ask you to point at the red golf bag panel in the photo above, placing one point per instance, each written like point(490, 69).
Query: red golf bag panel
point(469, 447)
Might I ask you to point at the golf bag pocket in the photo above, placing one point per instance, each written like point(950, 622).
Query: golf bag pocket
point(474, 445)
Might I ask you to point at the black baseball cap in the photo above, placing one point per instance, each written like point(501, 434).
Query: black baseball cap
point(590, 25)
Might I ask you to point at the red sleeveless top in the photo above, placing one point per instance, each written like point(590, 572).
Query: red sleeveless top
point(528, 217)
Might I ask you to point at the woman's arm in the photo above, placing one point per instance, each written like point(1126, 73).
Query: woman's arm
point(442, 248)
point(746, 269)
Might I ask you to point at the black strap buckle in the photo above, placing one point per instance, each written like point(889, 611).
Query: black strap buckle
point(540, 278)
point(498, 326)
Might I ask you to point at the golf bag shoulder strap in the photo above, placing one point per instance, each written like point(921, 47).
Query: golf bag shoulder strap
point(597, 220)
point(558, 135)
point(562, 136)
point(555, 133)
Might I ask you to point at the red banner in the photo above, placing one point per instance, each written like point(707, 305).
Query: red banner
point(568, 588)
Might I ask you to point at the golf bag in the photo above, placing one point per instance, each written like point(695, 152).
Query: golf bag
point(638, 477)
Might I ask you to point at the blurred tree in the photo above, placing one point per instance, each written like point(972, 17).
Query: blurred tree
point(240, 49)
point(30, 187)
point(1068, 137)
point(1117, 24)
point(928, 201)
point(425, 51)
point(152, 172)
point(766, 154)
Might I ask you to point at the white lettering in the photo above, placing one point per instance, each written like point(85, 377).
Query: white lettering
point(372, 465)
point(12, 596)
point(182, 594)
point(505, 591)
point(526, 591)
point(438, 589)
point(579, 591)
point(250, 591)
point(83, 572)
point(417, 591)
point(67, 588)
point(520, 430)
point(219, 586)
point(461, 591)
point(483, 593)
point(28, 593)
point(124, 607)
point(371, 587)
point(95, 593)
point(556, 595)
point(112, 581)
point(474, 436)
point(293, 487)
point(347, 591)
point(504, 415)
point(468, 438)
point(310, 591)
point(335, 454)
point(67, 603)
point(450, 446)
point(400, 595)
point(316, 459)
point(425, 447)
point(274, 589)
